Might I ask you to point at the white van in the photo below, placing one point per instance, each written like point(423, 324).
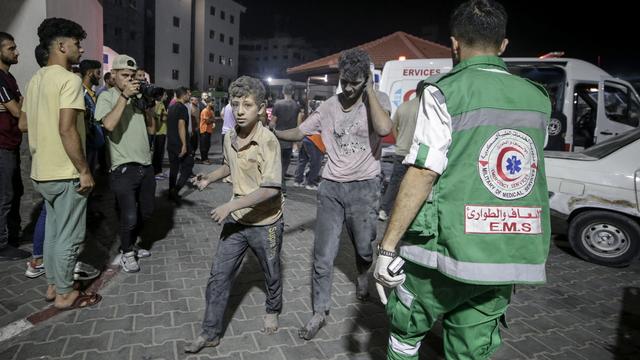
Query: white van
point(580, 116)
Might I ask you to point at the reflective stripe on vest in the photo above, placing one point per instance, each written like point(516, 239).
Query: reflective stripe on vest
point(499, 118)
point(404, 296)
point(403, 348)
point(481, 272)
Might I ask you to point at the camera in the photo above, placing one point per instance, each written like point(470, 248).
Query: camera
point(148, 94)
point(395, 267)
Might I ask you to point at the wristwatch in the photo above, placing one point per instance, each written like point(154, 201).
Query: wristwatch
point(384, 252)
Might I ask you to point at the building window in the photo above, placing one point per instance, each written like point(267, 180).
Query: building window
point(133, 4)
point(258, 47)
point(212, 57)
point(211, 80)
point(176, 21)
point(257, 58)
point(221, 60)
point(132, 35)
point(275, 46)
point(212, 10)
point(175, 74)
point(232, 19)
point(230, 40)
point(230, 62)
point(285, 57)
point(222, 15)
point(212, 34)
point(265, 58)
point(176, 48)
point(296, 55)
point(275, 57)
point(221, 37)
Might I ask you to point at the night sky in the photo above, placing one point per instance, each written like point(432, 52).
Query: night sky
point(608, 31)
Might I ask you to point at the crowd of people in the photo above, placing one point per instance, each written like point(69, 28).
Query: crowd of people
point(460, 261)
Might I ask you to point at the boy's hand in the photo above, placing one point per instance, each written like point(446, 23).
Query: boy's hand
point(200, 181)
point(220, 213)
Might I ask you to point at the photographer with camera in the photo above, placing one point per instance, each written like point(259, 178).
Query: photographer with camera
point(146, 100)
point(131, 173)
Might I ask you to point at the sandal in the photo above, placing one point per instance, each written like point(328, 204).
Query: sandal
point(83, 300)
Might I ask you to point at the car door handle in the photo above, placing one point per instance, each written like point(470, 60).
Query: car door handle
point(605, 133)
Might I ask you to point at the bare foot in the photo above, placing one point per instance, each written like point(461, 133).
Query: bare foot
point(270, 324)
point(51, 293)
point(313, 326)
point(64, 301)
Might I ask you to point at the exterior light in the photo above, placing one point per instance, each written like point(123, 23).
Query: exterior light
point(402, 58)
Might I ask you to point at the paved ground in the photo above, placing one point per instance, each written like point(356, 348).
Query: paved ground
point(146, 316)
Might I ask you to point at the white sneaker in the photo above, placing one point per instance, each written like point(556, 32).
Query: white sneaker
point(382, 216)
point(34, 270)
point(129, 263)
point(84, 271)
point(142, 253)
point(297, 184)
point(311, 187)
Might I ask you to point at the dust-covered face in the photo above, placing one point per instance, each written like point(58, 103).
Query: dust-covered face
point(353, 88)
point(246, 110)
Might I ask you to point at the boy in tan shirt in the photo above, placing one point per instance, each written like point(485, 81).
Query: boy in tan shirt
point(252, 159)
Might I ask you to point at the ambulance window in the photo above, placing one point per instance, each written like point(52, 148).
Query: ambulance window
point(621, 104)
point(585, 104)
point(550, 76)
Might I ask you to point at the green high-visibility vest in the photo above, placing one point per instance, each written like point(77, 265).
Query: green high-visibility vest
point(487, 219)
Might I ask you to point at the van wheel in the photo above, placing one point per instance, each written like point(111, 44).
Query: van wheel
point(605, 238)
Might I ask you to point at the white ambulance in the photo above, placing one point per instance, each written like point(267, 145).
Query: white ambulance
point(580, 118)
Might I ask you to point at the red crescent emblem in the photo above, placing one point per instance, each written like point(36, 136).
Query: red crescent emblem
point(501, 155)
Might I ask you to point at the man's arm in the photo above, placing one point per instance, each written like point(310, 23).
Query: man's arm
point(294, 134)
point(379, 116)
point(22, 122)
point(14, 107)
point(110, 120)
point(182, 132)
point(150, 121)
point(73, 147)
point(407, 204)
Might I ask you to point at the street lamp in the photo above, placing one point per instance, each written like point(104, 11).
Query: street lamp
point(269, 80)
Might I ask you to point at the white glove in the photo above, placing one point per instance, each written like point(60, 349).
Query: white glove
point(384, 279)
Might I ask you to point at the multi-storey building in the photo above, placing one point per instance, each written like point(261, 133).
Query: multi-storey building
point(270, 57)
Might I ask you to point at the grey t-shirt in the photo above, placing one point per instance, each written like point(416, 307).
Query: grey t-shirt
point(404, 120)
point(287, 113)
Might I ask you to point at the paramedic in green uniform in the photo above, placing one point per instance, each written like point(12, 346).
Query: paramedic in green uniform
point(472, 211)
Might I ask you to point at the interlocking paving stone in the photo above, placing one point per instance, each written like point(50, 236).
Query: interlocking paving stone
point(162, 334)
point(80, 343)
point(154, 352)
point(65, 330)
point(31, 350)
point(308, 350)
point(122, 324)
point(271, 354)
